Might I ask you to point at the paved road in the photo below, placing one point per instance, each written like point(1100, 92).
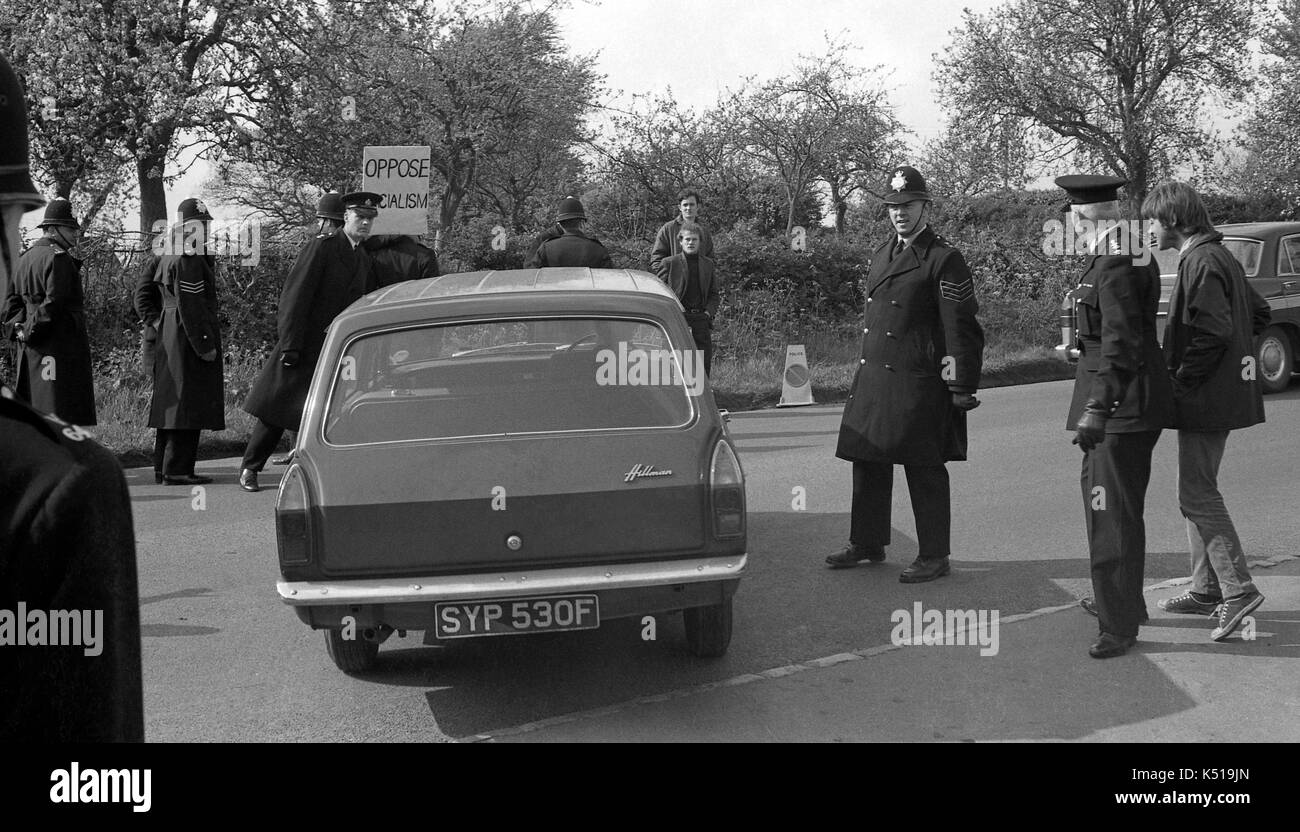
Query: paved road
point(224, 660)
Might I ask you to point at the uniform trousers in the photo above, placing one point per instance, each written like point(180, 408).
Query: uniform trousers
point(873, 494)
point(174, 452)
point(1114, 483)
point(261, 445)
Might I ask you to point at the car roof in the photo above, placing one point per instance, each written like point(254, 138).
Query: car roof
point(1261, 230)
point(553, 279)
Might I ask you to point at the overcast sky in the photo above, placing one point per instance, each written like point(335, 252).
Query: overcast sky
point(701, 49)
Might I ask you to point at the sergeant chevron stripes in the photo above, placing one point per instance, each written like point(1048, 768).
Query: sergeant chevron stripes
point(193, 287)
point(957, 291)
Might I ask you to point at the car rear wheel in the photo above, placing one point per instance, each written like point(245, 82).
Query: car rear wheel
point(351, 655)
point(1275, 360)
point(708, 629)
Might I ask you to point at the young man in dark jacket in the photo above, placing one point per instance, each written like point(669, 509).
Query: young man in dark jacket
point(691, 276)
point(1214, 316)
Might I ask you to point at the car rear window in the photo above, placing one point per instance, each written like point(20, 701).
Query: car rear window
point(517, 376)
point(1246, 251)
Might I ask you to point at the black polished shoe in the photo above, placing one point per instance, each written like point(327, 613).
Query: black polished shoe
point(1090, 607)
point(282, 460)
point(924, 570)
point(248, 480)
point(852, 555)
point(1109, 646)
point(187, 479)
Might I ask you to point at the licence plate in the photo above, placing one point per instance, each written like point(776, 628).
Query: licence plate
point(508, 616)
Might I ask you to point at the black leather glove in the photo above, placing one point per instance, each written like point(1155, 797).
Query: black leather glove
point(1091, 429)
point(965, 401)
point(289, 358)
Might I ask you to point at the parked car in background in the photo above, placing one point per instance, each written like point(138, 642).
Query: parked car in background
point(510, 452)
point(1269, 252)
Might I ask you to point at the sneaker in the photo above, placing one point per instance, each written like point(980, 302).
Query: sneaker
point(1232, 611)
point(1189, 604)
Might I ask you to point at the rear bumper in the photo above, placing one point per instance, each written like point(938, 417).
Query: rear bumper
point(631, 589)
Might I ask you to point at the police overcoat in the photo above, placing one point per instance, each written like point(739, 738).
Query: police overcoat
point(1119, 355)
point(571, 249)
point(328, 275)
point(46, 300)
point(920, 344)
point(67, 543)
point(1214, 316)
point(188, 381)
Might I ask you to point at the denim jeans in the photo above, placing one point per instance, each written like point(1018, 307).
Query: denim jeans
point(1218, 563)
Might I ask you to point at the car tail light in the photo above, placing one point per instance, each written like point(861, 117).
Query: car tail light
point(293, 518)
point(727, 492)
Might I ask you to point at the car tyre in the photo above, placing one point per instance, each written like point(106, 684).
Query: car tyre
point(708, 629)
point(1275, 360)
point(351, 655)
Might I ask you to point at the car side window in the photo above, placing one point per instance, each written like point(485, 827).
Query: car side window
point(1247, 251)
point(1288, 256)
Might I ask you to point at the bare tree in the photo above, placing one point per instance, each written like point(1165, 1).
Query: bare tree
point(1121, 83)
point(826, 121)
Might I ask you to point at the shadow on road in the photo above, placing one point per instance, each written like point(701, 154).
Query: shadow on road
point(791, 609)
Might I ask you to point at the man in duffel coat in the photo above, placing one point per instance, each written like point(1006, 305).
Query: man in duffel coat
point(180, 301)
point(922, 352)
point(331, 272)
point(45, 312)
point(1214, 317)
point(1122, 398)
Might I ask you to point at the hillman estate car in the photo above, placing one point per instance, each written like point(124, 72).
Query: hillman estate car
point(510, 452)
